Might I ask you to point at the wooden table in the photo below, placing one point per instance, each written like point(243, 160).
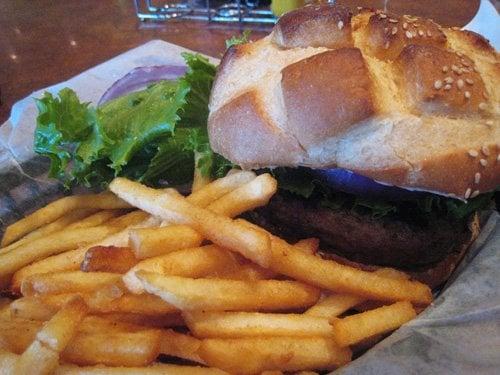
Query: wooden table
point(43, 42)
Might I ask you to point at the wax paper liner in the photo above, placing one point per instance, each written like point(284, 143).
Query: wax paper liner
point(458, 334)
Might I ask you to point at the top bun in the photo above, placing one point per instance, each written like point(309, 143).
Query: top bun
point(401, 100)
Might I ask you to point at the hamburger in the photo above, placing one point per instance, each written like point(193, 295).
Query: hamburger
point(383, 132)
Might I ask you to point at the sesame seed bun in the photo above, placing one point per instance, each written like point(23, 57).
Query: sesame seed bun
point(398, 99)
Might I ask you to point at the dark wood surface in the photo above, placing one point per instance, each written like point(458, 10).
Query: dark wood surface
point(43, 42)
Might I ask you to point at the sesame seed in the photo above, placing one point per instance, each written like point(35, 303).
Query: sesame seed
point(382, 15)
point(429, 33)
point(459, 54)
point(408, 35)
point(420, 32)
point(454, 68)
point(498, 157)
point(392, 20)
point(460, 84)
point(467, 94)
point(448, 80)
point(386, 45)
point(465, 62)
point(485, 150)
point(405, 25)
point(416, 24)
point(359, 8)
point(445, 69)
point(438, 84)
point(467, 193)
point(485, 95)
point(386, 29)
point(474, 194)
point(394, 30)
point(476, 70)
point(489, 122)
point(477, 178)
point(473, 153)
point(483, 162)
point(447, 87)
point(469, 81)
point(340, 25)
point(483, 106)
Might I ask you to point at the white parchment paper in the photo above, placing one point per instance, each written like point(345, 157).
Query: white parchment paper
point(458, 334)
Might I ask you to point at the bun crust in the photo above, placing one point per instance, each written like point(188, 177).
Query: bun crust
point(398, 99)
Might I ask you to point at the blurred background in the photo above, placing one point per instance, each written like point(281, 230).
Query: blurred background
point(46, 41)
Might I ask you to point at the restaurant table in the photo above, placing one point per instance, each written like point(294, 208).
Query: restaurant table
point(45, 41)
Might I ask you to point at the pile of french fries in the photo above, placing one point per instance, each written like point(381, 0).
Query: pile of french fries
point(147, 281)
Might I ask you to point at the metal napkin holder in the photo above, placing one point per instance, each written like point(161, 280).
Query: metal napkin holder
point(237, 11)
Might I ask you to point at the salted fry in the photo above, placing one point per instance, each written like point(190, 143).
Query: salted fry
point(68, 282)
point(42, 356)
point(64, 221)
point(333, 305)
point(221, 230)
point(56, 209)
point(255, 324)
point(254, 355)
point(52, 244)
point(218, 294)
point(108, 259)
point(71, 260)
point(340, 278)
point(253, 194)
point(151, 242)
point(114, 348)
point(180, 345)
point(354, 328)
point(195, 262)
point(156, 369)
point(220, 187)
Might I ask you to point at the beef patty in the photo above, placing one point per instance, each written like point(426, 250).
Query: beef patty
point(361, 238)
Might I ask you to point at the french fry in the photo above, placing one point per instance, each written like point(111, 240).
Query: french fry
point(96, 219)
point(151, 242)
point(253, 194)
point(220, 187)
point(354, 328)
point(129, 219)
point(254, 355)
point(64, 221)
point(255, 324)
point(56, 209)
point(221, 230)
point(67, 282)
point(108, 259)
point(333, 305)
point(42, 356)
point(114, 348)
point(17, 334)
point(156, 369)
point(218, 294)
point(180, 345)
point(32, 309)
point(54, 243)
point(71, 260)
point(308, 245)
point(339, 278)
point(199, 180)
point(195, 262)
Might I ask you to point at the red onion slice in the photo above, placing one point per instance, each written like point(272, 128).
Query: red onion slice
point(139, 78)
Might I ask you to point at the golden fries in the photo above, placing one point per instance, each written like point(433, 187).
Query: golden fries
point(219, 188)
point(194, 263)
point(56, 209)
point(108, 259)
point(42, 356)
point(248, 324)
point(253, 194)
point(354, 328)
point(231, 298)
point(52, 244)
point(67, 282)
point(218, 294)
point(254, 355)
point(150, 242)
point(179, 345)
point(221, 230)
